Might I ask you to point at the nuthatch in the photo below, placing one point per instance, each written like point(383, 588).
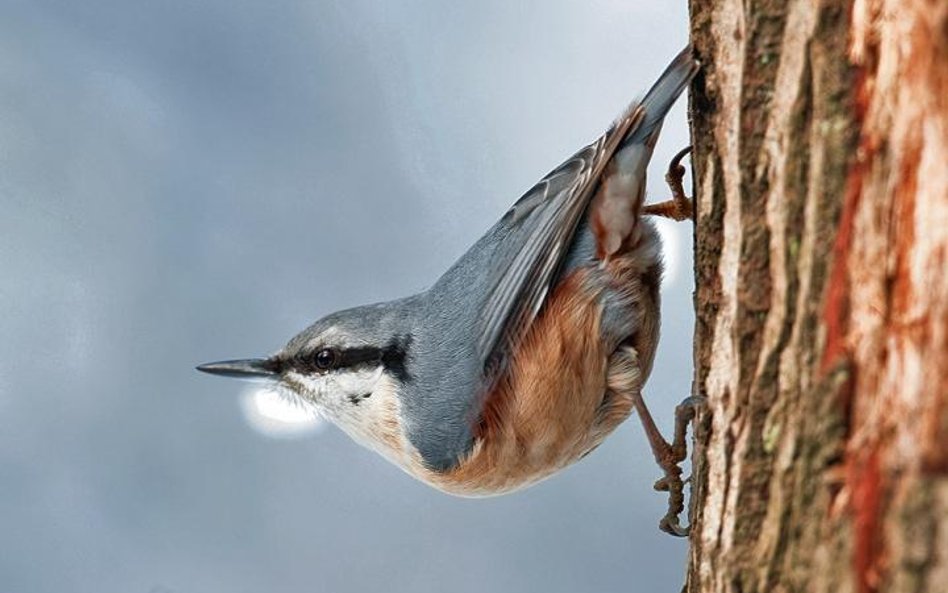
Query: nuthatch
point(529, 350)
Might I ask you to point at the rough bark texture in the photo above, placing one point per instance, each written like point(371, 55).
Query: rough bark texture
point(821, 175)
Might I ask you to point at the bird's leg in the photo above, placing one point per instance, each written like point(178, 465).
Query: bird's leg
point(624, 382)
point(680, 206)
point(669, 456)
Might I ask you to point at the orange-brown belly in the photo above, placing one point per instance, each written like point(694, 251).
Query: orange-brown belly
point(550, 409)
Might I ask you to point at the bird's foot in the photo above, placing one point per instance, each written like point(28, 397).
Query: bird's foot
point(675, 453)
point(680, 206)
point(669, 456)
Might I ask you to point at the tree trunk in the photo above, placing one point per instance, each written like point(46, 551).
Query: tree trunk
point(821, 176)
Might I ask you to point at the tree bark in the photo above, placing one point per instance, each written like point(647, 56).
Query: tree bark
point(820, 133)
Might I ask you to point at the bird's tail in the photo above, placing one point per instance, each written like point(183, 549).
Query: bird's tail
point(660, 98)
point(615, 209)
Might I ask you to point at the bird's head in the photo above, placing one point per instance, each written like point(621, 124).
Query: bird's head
point(349, 366)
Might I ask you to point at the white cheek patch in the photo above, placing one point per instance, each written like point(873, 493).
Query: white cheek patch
point(334, 393)
point(364, 403)
point(352, 384)
point(292, 397)
point(307, 387)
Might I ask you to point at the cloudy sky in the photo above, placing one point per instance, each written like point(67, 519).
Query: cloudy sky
point(190, 181)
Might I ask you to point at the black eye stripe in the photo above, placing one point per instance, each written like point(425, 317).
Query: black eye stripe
point(392, 357)
point(326, 359)
point(355, 356)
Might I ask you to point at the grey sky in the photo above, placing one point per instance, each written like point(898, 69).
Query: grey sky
point(184, 182)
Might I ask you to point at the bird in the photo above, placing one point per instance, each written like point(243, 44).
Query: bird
point(530, 349)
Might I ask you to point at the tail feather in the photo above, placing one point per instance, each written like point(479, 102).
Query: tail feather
point(618, 202)
point(663, 94)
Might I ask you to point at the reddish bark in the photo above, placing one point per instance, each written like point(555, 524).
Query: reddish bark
point(821, 172)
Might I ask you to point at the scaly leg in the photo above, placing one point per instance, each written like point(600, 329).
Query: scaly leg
point(668, 457)
point(624, 381)
point(680, 207)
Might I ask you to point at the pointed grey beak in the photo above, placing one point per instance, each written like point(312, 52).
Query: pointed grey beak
point(252, 369)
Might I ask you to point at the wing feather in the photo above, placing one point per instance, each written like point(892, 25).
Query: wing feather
point(547, 215)
point(543, 222)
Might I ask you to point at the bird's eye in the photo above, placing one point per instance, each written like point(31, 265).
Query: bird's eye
point(326, 359)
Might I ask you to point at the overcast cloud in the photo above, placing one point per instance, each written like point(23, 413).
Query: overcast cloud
point(190, 181)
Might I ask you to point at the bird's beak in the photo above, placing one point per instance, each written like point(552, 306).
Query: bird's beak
point(251, 369)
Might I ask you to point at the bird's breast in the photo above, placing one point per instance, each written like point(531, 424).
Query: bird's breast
point(550, 408)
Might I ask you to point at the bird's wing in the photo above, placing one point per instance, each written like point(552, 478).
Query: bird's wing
point(542, 223)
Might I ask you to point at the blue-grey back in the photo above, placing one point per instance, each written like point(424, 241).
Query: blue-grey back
point(472, 319)
point(442, 399)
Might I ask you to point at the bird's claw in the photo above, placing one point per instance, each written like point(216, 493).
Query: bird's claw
point(673, 484)
point(680, 206)
point(669, 524)
point(672, 455)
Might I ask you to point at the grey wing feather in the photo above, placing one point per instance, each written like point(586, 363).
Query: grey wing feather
point(542, 223)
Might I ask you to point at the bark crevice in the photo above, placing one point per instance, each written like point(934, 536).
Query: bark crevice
point(821, 218)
